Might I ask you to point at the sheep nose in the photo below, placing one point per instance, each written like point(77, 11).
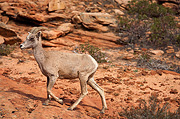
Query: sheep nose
point(21, 46)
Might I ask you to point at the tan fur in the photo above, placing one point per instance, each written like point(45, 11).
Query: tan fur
point(55, 64)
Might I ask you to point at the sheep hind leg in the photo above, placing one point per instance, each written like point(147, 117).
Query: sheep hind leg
point(96, 87)
point(84, 92)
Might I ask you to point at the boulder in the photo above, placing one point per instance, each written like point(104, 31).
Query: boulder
point(16, 55)
point(173, 4)
point(123, 41)
point(170, 51)
point(125, 2)
point(95, 20)
point(101, 18)
point(61, 30)
point(119, 12)
point(66, 28)
point(1, 40)
point(3, 5)
point(9, 35)
point(38, 17)
point(12, 11)
point(170, 1)
point(4, 19)
point(128, 56)
point(6, 31)
point(177, 54)
point(57, 42)
point(157, 52)
point(170, 72)
point(49, 44)
point(94, 9)
point(55, 5)
point(41, 17)
point(31, 12)
point(12, 40)
point(169, 47)
point(170, 5)
point(56, 16)
point(62, 41)
point(30, 4)
point(178, 24)
point(95, 26)
point(52, 34)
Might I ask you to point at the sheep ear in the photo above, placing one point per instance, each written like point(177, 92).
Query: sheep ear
point(38, 34)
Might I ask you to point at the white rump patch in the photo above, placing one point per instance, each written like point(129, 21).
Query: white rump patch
point(94, 61)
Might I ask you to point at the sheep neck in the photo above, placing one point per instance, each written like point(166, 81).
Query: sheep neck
point(39, 54)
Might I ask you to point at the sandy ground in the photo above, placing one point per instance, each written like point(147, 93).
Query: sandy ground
point(23, 90)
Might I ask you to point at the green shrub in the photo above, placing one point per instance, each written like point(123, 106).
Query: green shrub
point(145, 56)
point(178, 38)
point(6, 49)
point(124, 23)
point(147, 8)
point(145, 16)
point(132, 28)
point(150, 110)
point(162, 30)
point(95, 52)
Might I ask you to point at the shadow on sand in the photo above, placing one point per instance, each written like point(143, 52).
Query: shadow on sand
point(66, 101)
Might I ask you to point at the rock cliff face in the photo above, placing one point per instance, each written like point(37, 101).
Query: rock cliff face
point(173, 4)
point(63, 19)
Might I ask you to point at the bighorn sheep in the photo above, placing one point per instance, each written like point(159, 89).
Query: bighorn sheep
point(54, 64)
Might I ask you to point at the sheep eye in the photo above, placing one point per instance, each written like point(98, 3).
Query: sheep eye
point(31, 39)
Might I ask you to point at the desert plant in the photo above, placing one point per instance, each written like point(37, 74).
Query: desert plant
point(124, 23)
point(178, 38)
point(95, 52)
point(132, 28)
point(150, 110)
point(163, 30)
point(6, 49)
point(147, 8)
point(148, 23)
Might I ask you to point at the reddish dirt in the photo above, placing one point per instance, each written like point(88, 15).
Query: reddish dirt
point(23, 89)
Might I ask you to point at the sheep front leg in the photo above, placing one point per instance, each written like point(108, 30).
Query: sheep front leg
point(96, 87)
point(48, 95)
point(52, 80)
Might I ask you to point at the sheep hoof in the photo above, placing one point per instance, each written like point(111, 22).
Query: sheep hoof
point(69, 109)
point(60, 101)
point(101, 112)
point(45, 104)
